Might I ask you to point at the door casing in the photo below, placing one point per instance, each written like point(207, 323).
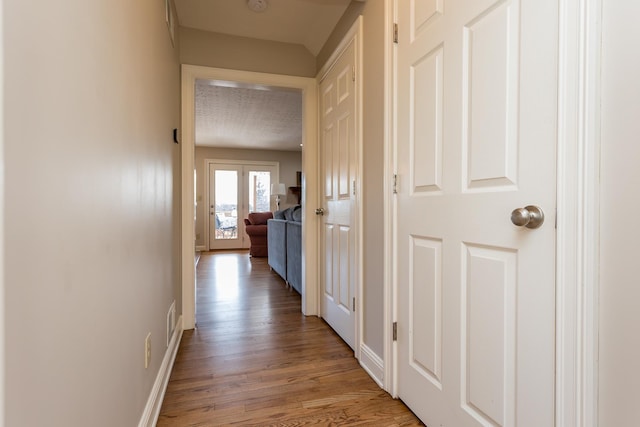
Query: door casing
point(308, 87)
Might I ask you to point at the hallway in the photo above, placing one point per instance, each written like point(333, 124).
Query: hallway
point(255, 360)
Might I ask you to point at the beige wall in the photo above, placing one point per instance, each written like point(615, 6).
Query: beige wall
point(619, 231)
point(350, 15)
point(373, 159)
point(92, 207)
point(290, 163)
point(199, 47)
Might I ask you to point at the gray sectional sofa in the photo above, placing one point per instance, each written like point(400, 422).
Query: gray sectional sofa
point(284, 235)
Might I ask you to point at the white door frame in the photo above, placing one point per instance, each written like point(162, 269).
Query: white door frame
point(577, 284)
point(308, 87)
point(577, 246)
point(205, 196)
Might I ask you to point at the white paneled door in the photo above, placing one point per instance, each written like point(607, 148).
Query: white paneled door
point(476, 139)
point(339, 163)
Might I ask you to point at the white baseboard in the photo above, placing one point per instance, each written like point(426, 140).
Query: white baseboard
point(373, 364)
point(154, 402)
point(201, 248)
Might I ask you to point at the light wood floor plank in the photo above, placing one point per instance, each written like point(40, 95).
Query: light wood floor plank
point(255, 360)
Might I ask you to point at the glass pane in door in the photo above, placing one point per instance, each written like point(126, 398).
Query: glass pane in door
point(226, 204)
point(259, 185)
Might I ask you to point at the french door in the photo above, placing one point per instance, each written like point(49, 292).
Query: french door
point(235, 190)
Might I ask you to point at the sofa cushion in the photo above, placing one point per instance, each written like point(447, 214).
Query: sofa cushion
point(279, 214)
point(297, 214)
point(259, 218)
point(288, 214)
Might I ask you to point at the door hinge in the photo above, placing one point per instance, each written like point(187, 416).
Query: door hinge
point(395, 331)
point(353, 304)
point(353, 186)
point(395, 32)
point(395, 183)
point(353, 73)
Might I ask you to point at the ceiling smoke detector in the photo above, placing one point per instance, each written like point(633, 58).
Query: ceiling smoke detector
point(257, 5)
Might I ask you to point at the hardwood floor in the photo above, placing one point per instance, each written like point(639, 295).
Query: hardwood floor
point(255, 360)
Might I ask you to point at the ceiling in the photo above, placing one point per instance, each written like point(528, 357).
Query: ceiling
point(231, 116)
point(305, 22)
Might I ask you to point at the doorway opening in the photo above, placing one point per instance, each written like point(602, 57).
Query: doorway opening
point(308, 88)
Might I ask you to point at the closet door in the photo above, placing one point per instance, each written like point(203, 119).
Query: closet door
point(476, 162)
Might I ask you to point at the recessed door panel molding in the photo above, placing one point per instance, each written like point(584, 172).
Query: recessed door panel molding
point(424, 12)
point(426, 122)
point(489, 301)
point(344, 160)
point(328, 249)
point(327, 100)
point(327, 146)
point(491, 47)
point(425, 292)
point(345, 261)
point(344, 86)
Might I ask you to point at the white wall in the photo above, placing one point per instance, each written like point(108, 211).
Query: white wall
point(92, 207)
point(290, 163)
point(619, 375)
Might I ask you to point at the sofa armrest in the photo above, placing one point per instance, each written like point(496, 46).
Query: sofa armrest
point(277, 246)
point(294, 255)
point(256, 230)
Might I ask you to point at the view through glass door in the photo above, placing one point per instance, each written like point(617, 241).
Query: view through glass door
point(235, 190)
point(259, 193)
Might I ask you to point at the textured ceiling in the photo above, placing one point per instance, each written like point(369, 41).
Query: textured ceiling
point(247, 117)
point(305, 22)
